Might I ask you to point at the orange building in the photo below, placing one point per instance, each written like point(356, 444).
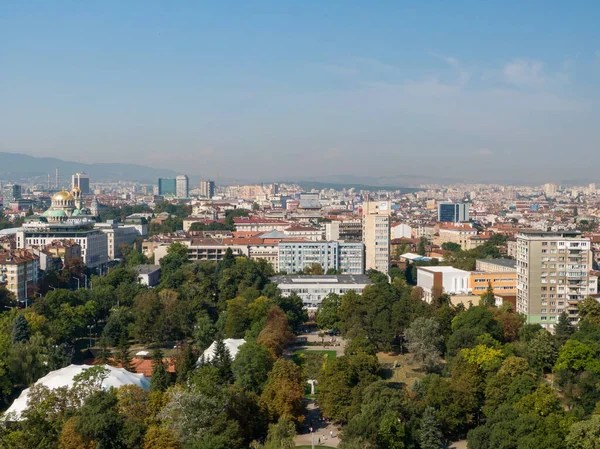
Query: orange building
point(504, 283)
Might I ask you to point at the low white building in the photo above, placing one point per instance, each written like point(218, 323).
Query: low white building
point(441, 279)
point(148, 275)
point(313, 289)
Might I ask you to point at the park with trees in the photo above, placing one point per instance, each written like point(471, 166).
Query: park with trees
point(481, 374)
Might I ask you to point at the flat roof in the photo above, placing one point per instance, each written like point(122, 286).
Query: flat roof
point(442, 269)
point(343, 279)
point(146, 269)
point(509, 263)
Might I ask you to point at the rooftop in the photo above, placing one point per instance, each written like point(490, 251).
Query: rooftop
point(147, 269)
point(443, 269)
point(347, 279)
point(509, 263)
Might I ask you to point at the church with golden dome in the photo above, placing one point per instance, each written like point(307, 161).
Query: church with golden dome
point(66, 205)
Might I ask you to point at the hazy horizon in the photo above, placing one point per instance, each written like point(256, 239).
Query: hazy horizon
point(476, 91)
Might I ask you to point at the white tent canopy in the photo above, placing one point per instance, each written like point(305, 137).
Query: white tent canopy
point(64, 377)
point(230, 343)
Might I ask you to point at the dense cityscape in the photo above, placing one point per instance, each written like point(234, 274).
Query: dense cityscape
point(271, 315)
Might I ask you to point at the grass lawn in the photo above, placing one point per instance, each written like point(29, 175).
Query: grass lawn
point(297, 356)
point(407, 372)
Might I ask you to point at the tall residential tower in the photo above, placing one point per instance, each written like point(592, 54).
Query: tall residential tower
point(376, 235)
point(552, 275)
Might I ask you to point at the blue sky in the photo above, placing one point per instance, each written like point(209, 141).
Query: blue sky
point(480, 91)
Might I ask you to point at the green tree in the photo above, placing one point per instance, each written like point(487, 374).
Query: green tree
point(237, 318)
point(342, 382)
point(222, 361)
point(422, 248)
point(20, 331)
point(542, 351)
point(577, 357)
point(327, 314)
point(424, 341)
point(160, 438)
point(281, 435)
point(185, 362)
point(584, 434)
point(563, 329)
point(488, 299)
point(589, 310)
point(451, 246)
point(284, 390)
point(7, 299)
point(251, 366)
point(122, 355)
point(430, 434)
point(160, 379)
point(99, 421)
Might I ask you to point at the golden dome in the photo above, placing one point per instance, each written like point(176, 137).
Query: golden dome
point(62, 196)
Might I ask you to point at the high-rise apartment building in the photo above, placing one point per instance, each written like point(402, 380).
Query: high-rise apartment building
point(182, 186)
point(376, 235)
point(449, 212)
point(81, 181)
point(550, 189)
point(167, 187)
point(552, 275)
point(207, 189)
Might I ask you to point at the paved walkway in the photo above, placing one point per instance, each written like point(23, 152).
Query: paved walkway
point(321, 430)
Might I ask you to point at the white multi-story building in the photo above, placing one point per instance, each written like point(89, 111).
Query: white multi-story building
point(553, 275)
point(93, 242)
point(345, 257)
point(118, 234)
point(313, 289)
point(376, 235)
point(182, 186)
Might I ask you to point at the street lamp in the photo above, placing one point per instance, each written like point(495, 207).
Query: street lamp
point(78, 282)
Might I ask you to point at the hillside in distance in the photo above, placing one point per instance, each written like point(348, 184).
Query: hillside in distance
point(14, 167)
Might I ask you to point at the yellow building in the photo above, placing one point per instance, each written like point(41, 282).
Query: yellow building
point(502, 282)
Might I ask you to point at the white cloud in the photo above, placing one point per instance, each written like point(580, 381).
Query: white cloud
point(524, 72)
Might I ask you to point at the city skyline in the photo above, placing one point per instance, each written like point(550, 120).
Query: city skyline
point(306, 91)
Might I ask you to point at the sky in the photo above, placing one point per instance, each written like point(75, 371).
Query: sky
point(505, 91)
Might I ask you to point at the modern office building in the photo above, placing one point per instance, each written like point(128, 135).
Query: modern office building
point(345, 257)
point(11, 193)
point(81, 181)
point(376, 235)
point(313, 289)
point(449, 212)
point(182, 186)
point(553, 275)
point(167, 187)
point(207, 189)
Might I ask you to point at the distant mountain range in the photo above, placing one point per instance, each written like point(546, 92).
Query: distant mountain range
point(14, 167)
